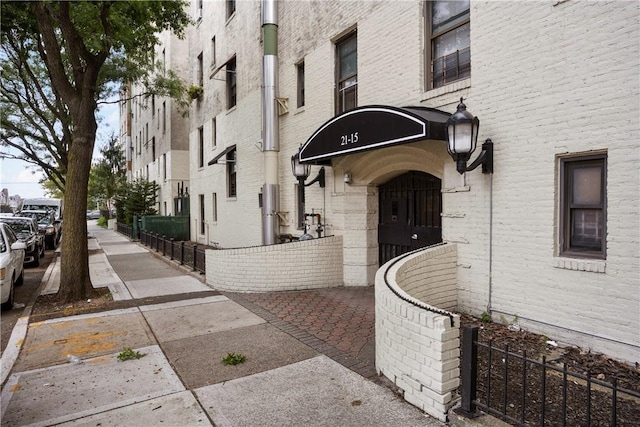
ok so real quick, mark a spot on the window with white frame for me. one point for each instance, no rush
(582, 206)
(214, 143)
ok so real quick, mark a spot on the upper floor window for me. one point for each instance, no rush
(199, 9)
(347, 74)
(213, 52)
(200, 71)
(583, 206)
(300, 72)
(231, 8)
(448, 35)
(231, 83)
(231, 173)
(200, 147)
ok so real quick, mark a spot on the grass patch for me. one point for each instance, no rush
(234, 359)
(128, 354)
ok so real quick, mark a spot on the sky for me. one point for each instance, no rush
(21, 179)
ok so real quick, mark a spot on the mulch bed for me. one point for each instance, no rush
(599, 367)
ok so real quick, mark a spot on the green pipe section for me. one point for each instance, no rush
(270, 39)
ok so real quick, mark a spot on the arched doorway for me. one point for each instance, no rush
(410, 207)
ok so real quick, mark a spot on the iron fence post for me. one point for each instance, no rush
(469, 371)
(194, 256)
(182, 252)
(171, 252)
(164, 244)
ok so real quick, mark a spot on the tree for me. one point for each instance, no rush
(136, 198)
(63, 55)
(107, 175)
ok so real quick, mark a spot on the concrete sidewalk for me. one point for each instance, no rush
(180, 380)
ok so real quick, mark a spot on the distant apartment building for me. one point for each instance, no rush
(154, 130)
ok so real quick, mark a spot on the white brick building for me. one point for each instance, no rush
(555, 86)
(154, 130)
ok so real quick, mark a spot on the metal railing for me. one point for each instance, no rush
(528, 392)
(186, 253)
(125, 229)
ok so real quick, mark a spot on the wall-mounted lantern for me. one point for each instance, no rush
(462, 138)
(302, 172)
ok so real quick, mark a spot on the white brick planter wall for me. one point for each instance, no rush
(417, 343)
(310, 264)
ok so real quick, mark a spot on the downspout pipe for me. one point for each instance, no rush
(270, 123)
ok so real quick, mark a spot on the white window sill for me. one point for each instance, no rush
(577, 264)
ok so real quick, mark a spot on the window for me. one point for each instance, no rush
(164, 117)
(300, 69)
(214, 207)
(213, 52)
(231, 83)
(202, 224)
(583, 206)
(164, 166)
(153, 105)
(213, 133)
(153, 148)
(347, 74)
(164, 62)
(200, 76)
(449, 43)
(199, 10)
(231, 8)
(200, 147)
(231, 173)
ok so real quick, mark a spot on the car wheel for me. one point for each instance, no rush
(36, 260)
(8, 305)
(20, 280)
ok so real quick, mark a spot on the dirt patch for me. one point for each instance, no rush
(50, 306)
(581, 405)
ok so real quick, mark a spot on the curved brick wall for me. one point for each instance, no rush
(309, 264)
(417, 349)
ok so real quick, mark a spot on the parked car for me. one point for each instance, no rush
(11, 265)
(27, 231)
(93, 214)
(46, 222)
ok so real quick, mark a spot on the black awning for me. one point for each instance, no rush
(219, 156)
(371, 127)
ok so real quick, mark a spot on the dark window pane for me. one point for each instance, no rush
(586, 229)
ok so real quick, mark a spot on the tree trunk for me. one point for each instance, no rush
(75, 282)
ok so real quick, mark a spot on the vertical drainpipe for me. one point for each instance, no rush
(270, 126)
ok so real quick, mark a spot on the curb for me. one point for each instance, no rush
(19, 333)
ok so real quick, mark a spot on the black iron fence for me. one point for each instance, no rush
(125, 229)
(186, 253)
(529, 392)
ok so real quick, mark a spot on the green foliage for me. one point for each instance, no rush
(107, 175)
(129, 354)
(102, 222)
(195, 92)
(234, 359)
(485, 317)
(136, 198)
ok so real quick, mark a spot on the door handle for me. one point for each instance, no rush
(414, 236)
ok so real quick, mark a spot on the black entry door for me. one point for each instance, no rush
(410, 207)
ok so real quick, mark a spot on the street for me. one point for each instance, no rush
(23, 295)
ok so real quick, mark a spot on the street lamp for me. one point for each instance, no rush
(302, 172)
(462, 138)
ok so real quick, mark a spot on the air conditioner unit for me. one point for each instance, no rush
(198, 14)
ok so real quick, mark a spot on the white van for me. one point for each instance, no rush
(45, 204)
